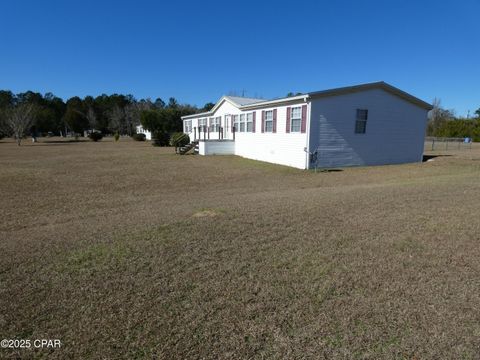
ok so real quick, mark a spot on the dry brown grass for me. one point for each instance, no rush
(123, 250)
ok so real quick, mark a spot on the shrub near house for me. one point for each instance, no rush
(139, 137)
(179, 139)
(95, 136)
(160, 138)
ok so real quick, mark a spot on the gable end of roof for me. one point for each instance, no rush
(375, 85)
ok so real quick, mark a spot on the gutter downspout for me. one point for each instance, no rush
(307, 153)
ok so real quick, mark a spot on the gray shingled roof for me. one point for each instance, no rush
(252, 103)
(244, 100)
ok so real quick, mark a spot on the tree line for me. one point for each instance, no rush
(31, 113)
(36, 114)
(444, 123)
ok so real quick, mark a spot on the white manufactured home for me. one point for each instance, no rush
(369, 124)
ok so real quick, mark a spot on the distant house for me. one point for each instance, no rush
(86, 133)
(368, 124)
(141, 130)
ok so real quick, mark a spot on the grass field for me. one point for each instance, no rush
(123, 250)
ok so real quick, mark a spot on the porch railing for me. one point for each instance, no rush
(204, 133)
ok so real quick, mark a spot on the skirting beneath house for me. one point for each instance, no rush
(216, 147)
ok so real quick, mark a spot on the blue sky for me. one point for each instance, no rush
(198, 51)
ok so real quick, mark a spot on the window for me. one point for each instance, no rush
(269, 121)
(235, 122)
(215, 124)
(188, 126)
(295, 119)
(249, 122)
(242, 123)
(202, 125)
(361, 122)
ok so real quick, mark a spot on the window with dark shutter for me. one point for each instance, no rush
(361, 121)
(295, 119)
(268, 122)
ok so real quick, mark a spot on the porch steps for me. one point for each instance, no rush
(188, 148)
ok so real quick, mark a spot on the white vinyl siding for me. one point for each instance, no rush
(281, 148)
(394, 133)
(296, 119)
(269, 121)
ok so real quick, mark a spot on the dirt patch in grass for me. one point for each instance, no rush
(124, 250)
(207, 213)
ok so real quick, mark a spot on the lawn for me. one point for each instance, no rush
(124, 250)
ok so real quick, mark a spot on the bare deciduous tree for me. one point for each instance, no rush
(18, 119)
(132, 114)
(438, 117)
(132, 117)
(117, 119)
(91, 118)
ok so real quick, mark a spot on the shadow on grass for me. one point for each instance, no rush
(324, 170)
(61, 142)
(429, 157)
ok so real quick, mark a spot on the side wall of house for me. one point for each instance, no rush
(280, 147)
(395, 130)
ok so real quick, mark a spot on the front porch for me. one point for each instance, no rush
(206, 133)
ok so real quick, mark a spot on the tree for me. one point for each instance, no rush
(74, 117)
(144, 104)
(91, 118)
(159, 103)
(116, 118)
(477, 112)
(152, 120)
(6, 99)
(132, 117)
(207, 107)
(50, 118)
(290, 94)
(19, 118)
(437, 118)
(172, 103)
(46, 119)
(107, 113)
